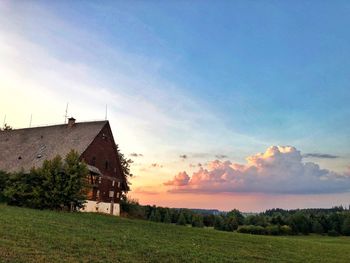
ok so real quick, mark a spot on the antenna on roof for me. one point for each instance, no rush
(30, 122)
(4, 121)
(106, 113)
(65, 115)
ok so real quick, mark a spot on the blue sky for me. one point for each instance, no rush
(184, 77)
(273, 70)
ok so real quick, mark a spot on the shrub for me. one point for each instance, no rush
(197, 220)
(56, 185)
(219, 223)
(3, 182)
(273, 230)
(230, 224)
(250, 229)
(286, 230)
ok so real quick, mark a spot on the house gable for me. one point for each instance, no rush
(102, 153)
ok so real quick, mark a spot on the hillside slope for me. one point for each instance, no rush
(44, 236)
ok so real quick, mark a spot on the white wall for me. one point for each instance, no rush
(101, 207)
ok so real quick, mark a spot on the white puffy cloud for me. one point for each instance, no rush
(279, 169)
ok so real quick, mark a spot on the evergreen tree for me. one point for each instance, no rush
(317, 227)
(346, 226)
(157, 216)
(181, 220)
(167, 218)
(152, 216)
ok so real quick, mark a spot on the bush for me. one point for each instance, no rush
(251, 229)
(56, 185)
(230, 224)
(3, 181)
(219, 223)
(197, 220)
(286, 230)
(273, 230)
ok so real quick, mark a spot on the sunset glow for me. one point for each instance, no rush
(250, 112)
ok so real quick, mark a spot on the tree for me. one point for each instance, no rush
(24, 190)
(197, 220)
(158, 216)
(167, 218)
(56, 185)
(219, 223)
(236, 214)
(230, 223)
(181, 220)
(125, 165)
(346, 226)
(152, 216)
(208, 220)
(317, 227)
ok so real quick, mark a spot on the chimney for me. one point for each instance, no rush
(71, 122)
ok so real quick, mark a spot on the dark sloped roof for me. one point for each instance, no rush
(27, 148)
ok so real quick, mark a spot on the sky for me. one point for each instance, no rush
(228, 104)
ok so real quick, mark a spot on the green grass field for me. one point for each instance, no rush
(28, 235)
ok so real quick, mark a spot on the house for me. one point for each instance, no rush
(22, 149)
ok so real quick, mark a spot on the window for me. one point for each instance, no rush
(106, 165)
(93, 161)
(113, 183)
(118, 184)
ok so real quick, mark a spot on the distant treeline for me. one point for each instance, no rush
(333, 222)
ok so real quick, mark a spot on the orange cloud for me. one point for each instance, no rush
(279, 170)
(179, 180)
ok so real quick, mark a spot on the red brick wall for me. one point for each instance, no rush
(100, 151)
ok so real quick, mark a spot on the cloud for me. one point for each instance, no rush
(221, 156)
(279, 170)
(183, 156)
(320, 155)
(156, 165)
(193, 165)
(146, 191)
(136, 154)
(182, 179)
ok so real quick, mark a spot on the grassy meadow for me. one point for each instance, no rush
(28, 235)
